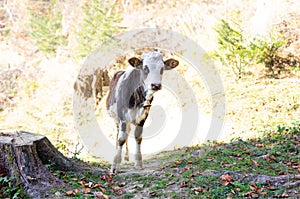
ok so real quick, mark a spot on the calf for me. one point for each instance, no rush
(130, 96)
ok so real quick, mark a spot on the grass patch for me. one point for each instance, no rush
(188, 174)
(9, 190)
(272, 154)
(275, 153)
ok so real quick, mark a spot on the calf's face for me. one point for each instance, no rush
(152, 67)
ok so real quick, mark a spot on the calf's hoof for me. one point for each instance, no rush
(113, 170)
(138, 161)
(139, 166)
(126, 158)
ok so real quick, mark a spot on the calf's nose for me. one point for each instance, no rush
(155, 86)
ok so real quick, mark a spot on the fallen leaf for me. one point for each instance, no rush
(117, 190)
(248, 194)
(122, 184)
(196, 192)
(183, 184)
(177, 162)
(256, 164)
(86, 190)
(260, 145)
(99, 194)
(62, 173)
(196, 189)
(72, 192)
(272, 157)
(254, 195)
(96, 185)
(211, 159)
(102, 189)
(69, 192)
(230, 195)
(226, 177)
(264, 193)
(82, 183)
(186, 168)
(153, 194)
(253, 187)
(225, 183)
(108, 179)
(272, 188)
(258, 190)
(228, 165)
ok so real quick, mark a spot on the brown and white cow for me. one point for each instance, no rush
(130, 96)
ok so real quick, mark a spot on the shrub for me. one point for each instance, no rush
(45, 26)
(269, 53)
(99, 25)
(234, 49)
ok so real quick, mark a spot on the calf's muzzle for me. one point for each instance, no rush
(155, 86)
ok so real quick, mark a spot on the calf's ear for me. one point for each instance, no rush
(170, 64)
(135, 62)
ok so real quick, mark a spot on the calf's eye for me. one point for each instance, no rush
(161, 71)
(146, 69)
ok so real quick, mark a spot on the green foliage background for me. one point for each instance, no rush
(45, 26)
(98, 24)
(240, 52)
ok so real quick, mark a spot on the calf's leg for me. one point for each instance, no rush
(138, 155)
(126, 158)
(122, 137)
(138, 135)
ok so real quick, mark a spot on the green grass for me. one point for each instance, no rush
(186, 175)
(9, 190)
(274, 153)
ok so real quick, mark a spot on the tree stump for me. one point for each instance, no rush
(24, 158)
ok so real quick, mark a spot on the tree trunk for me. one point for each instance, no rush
(25, 158)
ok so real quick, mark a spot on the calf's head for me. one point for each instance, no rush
(152, 67)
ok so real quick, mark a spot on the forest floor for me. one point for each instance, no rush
(265, 167)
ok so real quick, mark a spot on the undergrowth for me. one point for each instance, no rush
(241, 52)
(45, 26)
(8, 189)
(187, 174)
(99, 25)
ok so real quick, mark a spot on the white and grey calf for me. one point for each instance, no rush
(130, 96)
